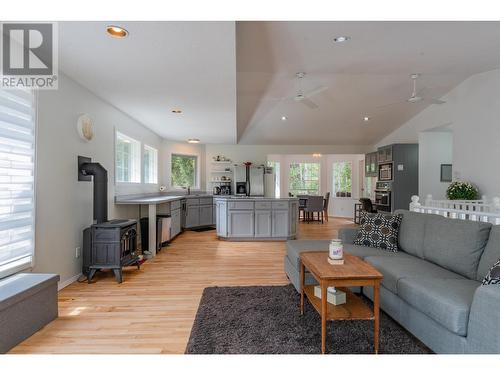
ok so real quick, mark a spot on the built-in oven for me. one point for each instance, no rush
(383, 196)
(385, 172)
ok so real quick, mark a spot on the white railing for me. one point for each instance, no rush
(485, 212)
(481, 205)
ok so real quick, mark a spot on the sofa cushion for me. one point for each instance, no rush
(379, 230)
(447, 301)
(396, 268)
(455, 244)
(412, 232)
(295, 247)
(491, 253)
(363, 251)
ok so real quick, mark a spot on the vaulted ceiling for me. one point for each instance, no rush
(235, 81)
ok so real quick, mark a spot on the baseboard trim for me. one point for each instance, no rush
(65, 283)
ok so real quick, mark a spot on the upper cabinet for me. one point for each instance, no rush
(371, 164)
(384, 154)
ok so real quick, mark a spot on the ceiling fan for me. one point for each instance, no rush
(416, 96)
(304, 97)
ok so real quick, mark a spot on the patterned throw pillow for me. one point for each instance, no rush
(493, 277)
(379, 230)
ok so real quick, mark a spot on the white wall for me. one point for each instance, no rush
(473, 111)
(64, 205)
(435, 148)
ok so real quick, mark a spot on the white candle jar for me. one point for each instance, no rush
(336, 249)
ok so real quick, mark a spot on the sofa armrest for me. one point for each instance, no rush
(348, 235)
(484, 321)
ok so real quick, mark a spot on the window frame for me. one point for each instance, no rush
(146, 148)
(318, 163)
(334, 190)
(197, 182)
(138, 161)
(6, 271)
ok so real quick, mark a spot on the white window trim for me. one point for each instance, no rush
(332, 164)
(155, 150)
(305, 160)
(198, 172)
(127, 183)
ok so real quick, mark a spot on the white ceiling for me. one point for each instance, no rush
(226, 79)
(370, 70)
(158, 67)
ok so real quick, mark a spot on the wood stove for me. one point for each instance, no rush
(110, 245)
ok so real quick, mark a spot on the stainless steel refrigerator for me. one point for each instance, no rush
(255, 183)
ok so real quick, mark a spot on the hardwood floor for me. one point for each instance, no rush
(153, 310)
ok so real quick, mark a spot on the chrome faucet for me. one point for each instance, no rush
(188, 188)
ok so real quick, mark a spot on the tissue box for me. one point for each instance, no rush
(333, 296)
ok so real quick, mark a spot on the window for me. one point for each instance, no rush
(184, 171)
(275, 165)
(17, 170)
(342, 179)
(128, 159)
(304, 179)
(150, 165)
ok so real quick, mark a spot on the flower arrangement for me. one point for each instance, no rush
(462, 190)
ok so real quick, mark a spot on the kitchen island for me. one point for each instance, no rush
(256, 218)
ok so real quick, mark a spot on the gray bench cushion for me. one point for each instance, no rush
(396, 268)
(23, 285)
(446, 301)
(412, 232)
(455, 244)
(490, 254)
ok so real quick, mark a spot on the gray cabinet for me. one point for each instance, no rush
(199, 212)
(384, 154)
(221, 218)
(175, 227)
(206, 215)
(192, 216)
(280, 223)
(240, 223)
(371, 164)
(263, 223)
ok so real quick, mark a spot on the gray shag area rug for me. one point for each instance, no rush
(266, 320)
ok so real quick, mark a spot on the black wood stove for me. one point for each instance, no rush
(106, 244)
(110, 245)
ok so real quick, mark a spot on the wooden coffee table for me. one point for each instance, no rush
(354, 272)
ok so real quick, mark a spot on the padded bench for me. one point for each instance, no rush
(28, 301)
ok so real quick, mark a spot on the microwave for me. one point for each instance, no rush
(385, 172)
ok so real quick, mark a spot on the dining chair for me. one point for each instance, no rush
(314, 204)
(326, 200)
(366, 205)
(302, 204)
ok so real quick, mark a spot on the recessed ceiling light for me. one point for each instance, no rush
(366, 119)
(116, 31)
(316, 155)
(177, 111)
(341, 39)
(193, 140)
(284, 118)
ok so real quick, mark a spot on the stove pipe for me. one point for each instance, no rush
(100, 190)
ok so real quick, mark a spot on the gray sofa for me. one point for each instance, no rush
(432, 285)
